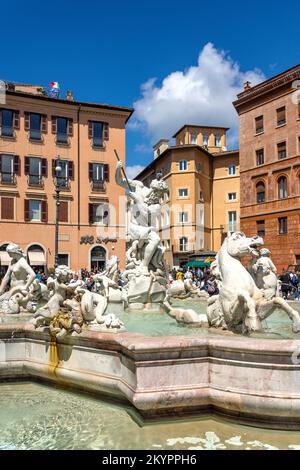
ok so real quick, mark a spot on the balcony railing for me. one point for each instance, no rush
(97, 143)
(8, 178)
(63, 183)
(35, 181)
(98, 186)
(62, 139)
(35, 135)
(7, 132)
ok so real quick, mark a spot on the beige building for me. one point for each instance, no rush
(203, 179)
(37, 132)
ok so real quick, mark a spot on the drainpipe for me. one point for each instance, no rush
(78, 168)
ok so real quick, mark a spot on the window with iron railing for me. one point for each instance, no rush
(9, 168)
(98, 175)
(98, 133)
(36, 170)
(65, 175)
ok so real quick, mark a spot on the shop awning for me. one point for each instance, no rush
(36, 258)
(197, 264)
(5, 259)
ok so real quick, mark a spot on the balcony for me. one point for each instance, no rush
(98, 144)
(98, 186)
(35, 181)
(7, 132)
(8, 178)
(35, 135)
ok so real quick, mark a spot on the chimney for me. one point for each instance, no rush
(247, 86)
(70, 95)
(160, 147)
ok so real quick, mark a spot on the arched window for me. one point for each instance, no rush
(98, 258)
(182, 165)
(260, 192)
(282, 187)
(183, 244)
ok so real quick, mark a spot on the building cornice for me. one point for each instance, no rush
(268, 86)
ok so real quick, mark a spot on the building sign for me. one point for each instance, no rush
(90, 240)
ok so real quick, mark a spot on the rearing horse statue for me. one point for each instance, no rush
(240, 302)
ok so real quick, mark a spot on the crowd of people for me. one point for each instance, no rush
(201, 278)
(290, 284)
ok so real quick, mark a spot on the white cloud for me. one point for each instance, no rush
(143, 148)
(202, 94)
(134, 170)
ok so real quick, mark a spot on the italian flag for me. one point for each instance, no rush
(54, 85)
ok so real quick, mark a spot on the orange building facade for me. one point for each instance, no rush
(203, 202)
(270, 164)
(40, 135)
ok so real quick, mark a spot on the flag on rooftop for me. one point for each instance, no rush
(54, 89)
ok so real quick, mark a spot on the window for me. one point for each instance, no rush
(183, 192)
(99, 214)
(281, 116)
(259, 124)
(167, 244)
(260, 228)
(7, 123)
(231, 170)
(193, 138)
(217, 140)
(66, 173)
(232, 221)
(282, 225)
(62, 130)
(182, 165)
(282, 187)
(35, 168)
(35, 210)
(183, 244)
(183, 217)
(98, 174)
(63, 259)
(35, 126)
(231, 196)
(281, 150)
(260, 192)
(7, 208)
(201, 197)
(7, 169)
(260, 158)
(205, 139)
(98, 132)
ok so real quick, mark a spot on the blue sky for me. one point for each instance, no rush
(198, 52)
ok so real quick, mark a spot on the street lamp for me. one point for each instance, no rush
(57, 172)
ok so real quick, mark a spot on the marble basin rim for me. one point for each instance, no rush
(249, 379)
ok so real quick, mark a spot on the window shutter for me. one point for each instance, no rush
(44, 124)
(91, 213)
(26, 166)
(70, 127)
(90, 129)
(53, 124)
(26, 210)
(26, 121)
(0, 117)
(106, 172)
(90, 171)
(44, 214)
(44, 167)
(53, 166)
(105, 131)
(63, 211)
(16, 122)
(0, 163)
(7, 208)
(17, 165)
(71, 170)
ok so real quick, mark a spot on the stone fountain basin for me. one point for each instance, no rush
(251, 378)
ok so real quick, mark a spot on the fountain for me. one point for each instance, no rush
(164, 356)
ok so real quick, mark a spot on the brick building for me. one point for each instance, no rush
(270, 164)
(39, 134)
